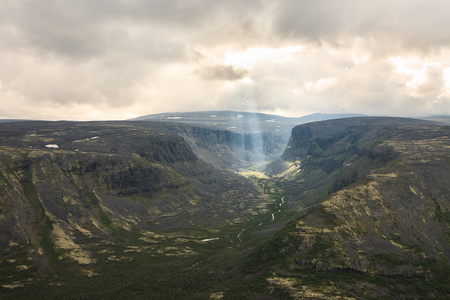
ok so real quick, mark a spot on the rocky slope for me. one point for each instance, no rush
(383, 206)
(229, 149)
(128, 210)
(232, 139)
(64, 183)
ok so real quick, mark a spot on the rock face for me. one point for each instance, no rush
(106, 180)
(214, 138)
(384, 200)
(232, 139)
(228, 149)
(360, 208)
(228, 139)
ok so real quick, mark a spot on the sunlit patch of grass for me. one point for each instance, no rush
(254, 174)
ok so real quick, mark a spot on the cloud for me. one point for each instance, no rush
(433, 82)
(412, 25)
(119, 59)
(222, 72)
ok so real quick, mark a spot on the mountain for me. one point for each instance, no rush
(354, 208)
(239, 121)
(71, 189)
(443, 119)
(12, 120)
(374, 200)
(233, 139)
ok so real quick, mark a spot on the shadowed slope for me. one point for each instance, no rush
(383, 204)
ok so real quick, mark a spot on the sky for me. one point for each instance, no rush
(119, 59)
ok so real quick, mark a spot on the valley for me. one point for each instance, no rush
(354, 208)
(234, 140)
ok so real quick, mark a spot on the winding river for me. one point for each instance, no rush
(239, 237)
(273, 219)
(279, 210)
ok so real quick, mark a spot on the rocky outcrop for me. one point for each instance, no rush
(105, 181)
(383, 202)
(229, 149)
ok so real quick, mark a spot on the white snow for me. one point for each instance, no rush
(86, 139)
(207, 240)
(54, 146)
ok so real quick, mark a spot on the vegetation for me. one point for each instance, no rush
(358, 208)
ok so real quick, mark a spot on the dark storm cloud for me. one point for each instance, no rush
(222, 72)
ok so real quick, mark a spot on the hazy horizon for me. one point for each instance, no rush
(191, 112)
(236, 111)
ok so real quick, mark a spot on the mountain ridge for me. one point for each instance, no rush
(106, 181)
(353, 208)
(243, 139)
(375, 204)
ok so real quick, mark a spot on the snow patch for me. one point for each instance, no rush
(86, 139)
(54, 146)
(208, 240)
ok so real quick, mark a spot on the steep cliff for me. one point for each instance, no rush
(64, 183)
(382, 206)
(232, 139)
(355, 208)
(229, 149)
